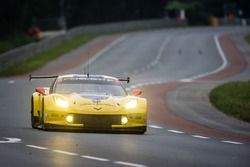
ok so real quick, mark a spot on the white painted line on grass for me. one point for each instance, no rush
(155, 126)
(95, 158)
(176, 131)
(128, 164)
(231, 142)
(200, 137)
(37, 147)
(65, 152)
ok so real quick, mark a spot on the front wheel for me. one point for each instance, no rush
(34, 119)
(141, 130)
(44, 126)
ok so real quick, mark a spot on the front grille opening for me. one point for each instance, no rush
(97, 121)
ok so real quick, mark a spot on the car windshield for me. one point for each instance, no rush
(89, 86)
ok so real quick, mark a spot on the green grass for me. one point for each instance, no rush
(233, 99)
(247, 38)
(14, 41)
(39, 60)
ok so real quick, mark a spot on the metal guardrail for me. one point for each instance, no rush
(21, 53)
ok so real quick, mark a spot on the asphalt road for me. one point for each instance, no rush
(148, 57)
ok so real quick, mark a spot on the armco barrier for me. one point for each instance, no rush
(21, 53)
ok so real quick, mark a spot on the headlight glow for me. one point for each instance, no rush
(62, 103)
(131, 104)
(124, 120)
(70, 118)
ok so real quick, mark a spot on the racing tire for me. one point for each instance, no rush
(44, 126)
(34, 119)
(142, 130)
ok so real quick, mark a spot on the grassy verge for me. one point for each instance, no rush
(247, 38)
(37, 61)
(14, 41)
(233, 99)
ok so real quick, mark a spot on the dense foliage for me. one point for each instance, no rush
(19, 15)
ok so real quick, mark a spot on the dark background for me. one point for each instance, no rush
(18, 15)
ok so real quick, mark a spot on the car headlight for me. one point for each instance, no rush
(70, 118)
(131, 104)
(62, 102)
(124, 120)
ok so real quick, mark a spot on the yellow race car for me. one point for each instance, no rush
(88, 102)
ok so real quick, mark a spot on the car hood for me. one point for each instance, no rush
(95, 102)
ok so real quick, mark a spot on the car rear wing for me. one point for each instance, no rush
(125, 80)
(55, 76)
(42, 77)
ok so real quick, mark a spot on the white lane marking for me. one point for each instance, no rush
(186, 80)
(128, 164)
(95, 158)
(139, 85)
(37, 147)
(128, 89)
(132, 87)
(159, 54)
(10, 140)
(223, 57)
(135, 71)
(223, 65)
(155, 126)
(200, 137)
(11, 81)
(101, 52)
(231, 142)
(157, 59)
(176, 131)
(65, 152)
(160, 51)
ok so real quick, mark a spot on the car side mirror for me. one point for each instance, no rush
(42, 90)
(136, 92)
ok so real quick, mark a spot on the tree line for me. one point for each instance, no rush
(19, 15)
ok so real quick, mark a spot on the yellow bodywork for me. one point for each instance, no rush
(53, 110)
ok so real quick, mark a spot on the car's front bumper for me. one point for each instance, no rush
(80, 128)
(97, 122)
